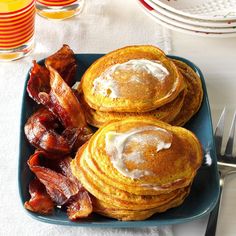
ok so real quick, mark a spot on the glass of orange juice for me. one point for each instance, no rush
(16, 28)
(59, 10)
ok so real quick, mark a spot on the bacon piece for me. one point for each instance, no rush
(40, 131)
(83, 137)
(39, 81)
(79, 205)
(62, 102)
(48, 88)
(40, 201)
(61, 185)
(64, 62)
(65, 169)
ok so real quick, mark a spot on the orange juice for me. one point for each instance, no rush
(7, 6)
(16, 28)
(59, 10)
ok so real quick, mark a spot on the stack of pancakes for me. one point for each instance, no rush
(139, 81)
(137, 164)
(137, 167)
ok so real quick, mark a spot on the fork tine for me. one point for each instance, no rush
(219, 132)
(226, 164)
(230, 142)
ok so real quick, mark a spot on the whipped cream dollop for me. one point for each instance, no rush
(107, 86)
(131, 146)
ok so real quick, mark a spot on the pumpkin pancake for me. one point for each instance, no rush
(165, 113)
(123, 214)
(194, 94)
(165, 168)
(131, 79)
(120, 198)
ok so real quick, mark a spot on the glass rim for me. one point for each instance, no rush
(14, 6)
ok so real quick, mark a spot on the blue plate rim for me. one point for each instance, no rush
(117, 224)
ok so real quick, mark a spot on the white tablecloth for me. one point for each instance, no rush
(105, 25)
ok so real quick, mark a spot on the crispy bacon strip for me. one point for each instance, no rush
(61, 185)
(80, 205)
(62, 102)
(40, 131)
(48, 88)
(39, 81)
(64, 62)
(84, 134)
(40, 201)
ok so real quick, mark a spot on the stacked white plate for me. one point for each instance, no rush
(211, 18)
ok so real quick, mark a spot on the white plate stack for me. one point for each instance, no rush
(210, 18)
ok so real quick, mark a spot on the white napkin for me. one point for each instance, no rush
(104, 25)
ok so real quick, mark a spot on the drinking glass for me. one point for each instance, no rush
(16, 28)
(59, 10)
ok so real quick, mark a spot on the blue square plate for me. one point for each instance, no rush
(204, 192)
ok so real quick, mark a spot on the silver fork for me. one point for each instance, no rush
(226, 165)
